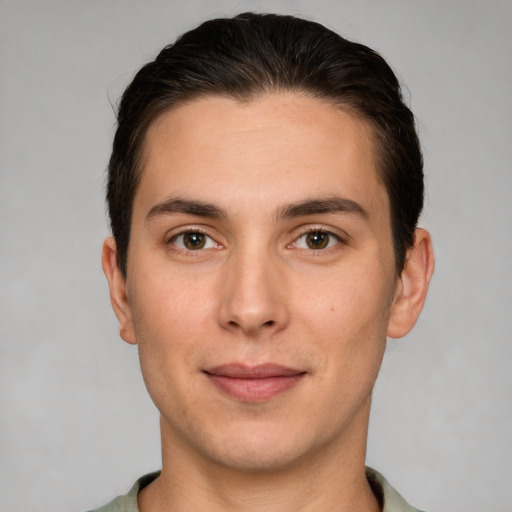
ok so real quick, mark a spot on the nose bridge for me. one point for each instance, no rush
(251, 300)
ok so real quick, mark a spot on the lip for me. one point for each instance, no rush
(254, 383)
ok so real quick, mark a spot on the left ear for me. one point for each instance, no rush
(118, 291)
(412, 286)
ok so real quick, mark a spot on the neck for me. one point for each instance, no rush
(330, 479)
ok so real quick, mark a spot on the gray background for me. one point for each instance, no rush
(76, 424)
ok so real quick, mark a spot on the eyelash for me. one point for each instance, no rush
(210, 243)
(193, 231)
(332, 239)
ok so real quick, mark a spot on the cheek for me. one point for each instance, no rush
(169, 339)
(168, 302)
(347, 319)
(346, 304)
(171, 316)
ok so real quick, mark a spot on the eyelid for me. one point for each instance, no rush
(304, 229)
(183, 230)
(173, 233)
(341, 236)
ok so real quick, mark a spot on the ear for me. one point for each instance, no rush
(412, 286)
(117, 286)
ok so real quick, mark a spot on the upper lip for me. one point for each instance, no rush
(262, 371)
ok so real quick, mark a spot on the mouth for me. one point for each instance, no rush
(254, 383)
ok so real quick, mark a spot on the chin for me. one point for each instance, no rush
(260, 449)
(258, 457)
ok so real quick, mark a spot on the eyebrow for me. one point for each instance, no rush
(187, 206)
(322, 206)
(301, 209)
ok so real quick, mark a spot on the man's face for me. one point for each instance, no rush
(260, 278)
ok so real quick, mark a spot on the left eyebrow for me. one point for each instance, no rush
(176, 205)
(320, 206)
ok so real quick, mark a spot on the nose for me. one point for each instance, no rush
(253, 299)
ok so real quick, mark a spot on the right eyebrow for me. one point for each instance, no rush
(186, 206)
(332, 204)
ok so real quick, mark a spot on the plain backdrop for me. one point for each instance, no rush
(77, 427)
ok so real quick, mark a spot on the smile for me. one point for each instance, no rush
(254, 384)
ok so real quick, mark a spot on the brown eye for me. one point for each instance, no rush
(194, 241)
(317, 240)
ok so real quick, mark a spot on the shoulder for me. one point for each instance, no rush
(128, 502)
(391, 499)
(118, 504)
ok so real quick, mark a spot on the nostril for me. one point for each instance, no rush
(247, 326)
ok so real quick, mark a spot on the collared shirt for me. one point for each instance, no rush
(391, 500)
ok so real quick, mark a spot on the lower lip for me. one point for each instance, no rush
(255, 389)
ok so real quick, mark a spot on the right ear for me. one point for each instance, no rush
(117, 287)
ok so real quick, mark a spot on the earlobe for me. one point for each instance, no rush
(117, 287)
(412, 287)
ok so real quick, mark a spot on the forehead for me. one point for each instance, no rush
(280, 146)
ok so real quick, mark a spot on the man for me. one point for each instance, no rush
(264, 189)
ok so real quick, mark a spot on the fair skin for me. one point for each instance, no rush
(261, 287)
